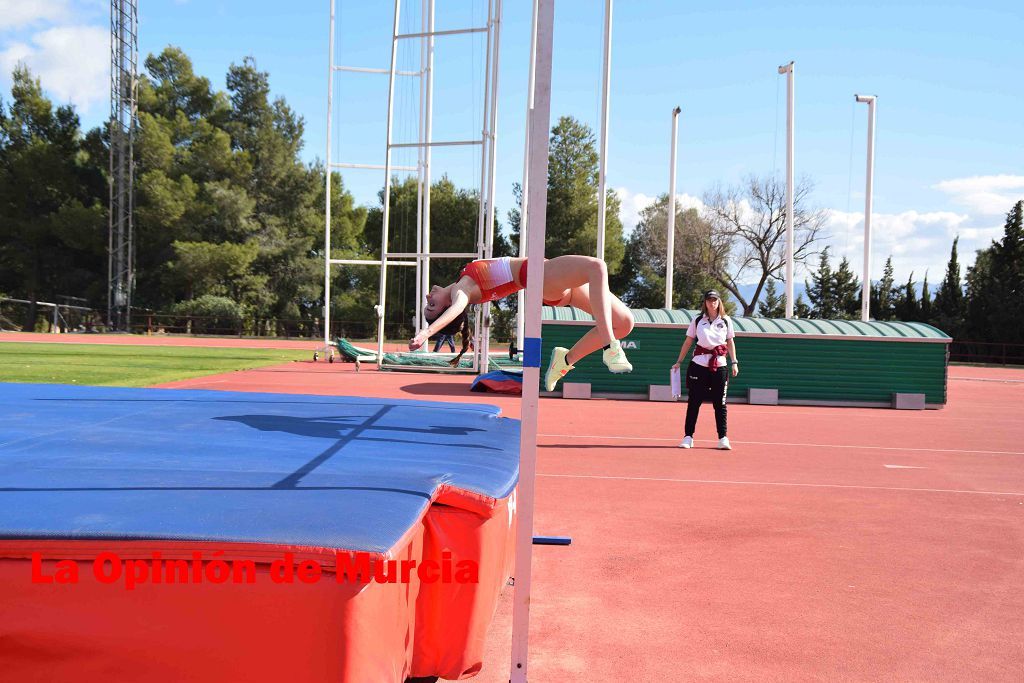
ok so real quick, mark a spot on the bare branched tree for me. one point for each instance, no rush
(747, 240)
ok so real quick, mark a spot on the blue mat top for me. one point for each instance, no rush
(169, 464)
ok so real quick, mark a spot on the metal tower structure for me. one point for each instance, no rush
(421, 258)
(124, 55)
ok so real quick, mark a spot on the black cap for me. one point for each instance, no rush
(711, 294)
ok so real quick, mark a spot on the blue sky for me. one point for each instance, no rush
(950, 120)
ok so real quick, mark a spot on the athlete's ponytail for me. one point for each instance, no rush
(459, 326)
(463, 328)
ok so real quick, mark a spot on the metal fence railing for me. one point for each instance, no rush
(287, 328)
(14, 316)
(991, 353)
(80, 319)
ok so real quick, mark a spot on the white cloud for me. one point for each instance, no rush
(18, 13)
(633, 203)
(917, 241)
(72, 62)
(990, 195)
(13, 54)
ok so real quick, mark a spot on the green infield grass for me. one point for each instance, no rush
(128, 366)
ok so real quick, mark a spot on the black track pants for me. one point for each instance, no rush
(704, 384)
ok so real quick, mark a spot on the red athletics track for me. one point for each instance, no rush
(830, 544)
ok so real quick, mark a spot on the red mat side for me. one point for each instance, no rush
(205, 632)
(90, 631)
(450, 639)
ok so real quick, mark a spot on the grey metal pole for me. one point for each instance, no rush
(601, 173)
(670, 246)
(485, 346)
(790, 70)
(327, 202)
(865, 305)
(428, 118)
(421, 285)
(525, 189)
(380, 308)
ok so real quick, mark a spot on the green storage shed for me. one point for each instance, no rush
(784, 361)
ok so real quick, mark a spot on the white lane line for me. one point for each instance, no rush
(989, 379)
(781, 443)
(781, 483)
(905, 467)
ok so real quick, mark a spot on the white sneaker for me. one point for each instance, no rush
(723, 444)
(557, 367)
(687, 442)
(615, 358)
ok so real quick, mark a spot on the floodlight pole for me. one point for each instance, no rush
(538, 123)
(865, 304)
(670, 246)
(790, 71)
(601, 174)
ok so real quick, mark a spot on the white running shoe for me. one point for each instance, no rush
(687, 442)
(557, 367)
(723, 444)
(615, 358)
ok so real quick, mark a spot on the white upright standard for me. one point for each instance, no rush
(790, 70)
(670, 229)
(538, 122)
(865, 305)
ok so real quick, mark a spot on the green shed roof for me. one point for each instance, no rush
(811, 327)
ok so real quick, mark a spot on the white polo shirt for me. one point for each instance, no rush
(709, 334)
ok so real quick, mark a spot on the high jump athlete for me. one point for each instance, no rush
(580, 281)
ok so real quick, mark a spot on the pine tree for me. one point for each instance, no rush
(774, 305)
(995, 285)
(909, 310)
(800, 308)
(1009, 266)
(820, 290)
(949, 300)
(926, 301)
(572, 208)
(53, 200)
(847, 291)
(983, 298)
(882, 298)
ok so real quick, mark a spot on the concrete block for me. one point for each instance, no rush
(659, 392)
(763, 397)
(576, 390)
(908, 401)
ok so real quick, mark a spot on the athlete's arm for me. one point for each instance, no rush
(460, 300)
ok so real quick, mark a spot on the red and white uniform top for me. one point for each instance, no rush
(712, 338)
